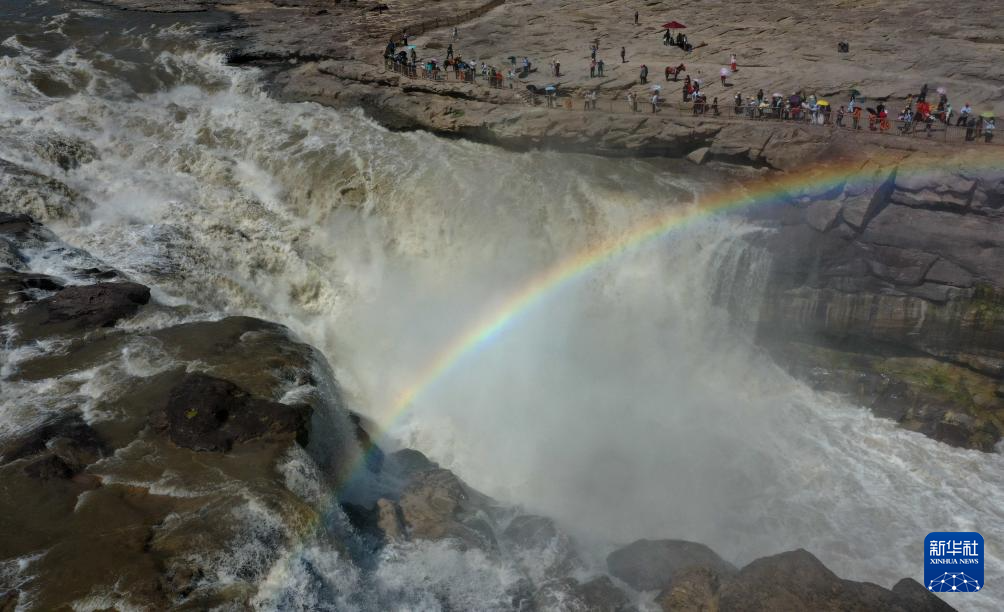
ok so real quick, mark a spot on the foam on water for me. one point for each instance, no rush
(626, 406)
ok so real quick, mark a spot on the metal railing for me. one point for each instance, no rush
(448, 74)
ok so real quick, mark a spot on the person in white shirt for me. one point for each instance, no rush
(964, 114)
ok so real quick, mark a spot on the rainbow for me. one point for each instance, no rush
(773, 189)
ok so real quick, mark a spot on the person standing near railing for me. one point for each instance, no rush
(856, 117)
(655, 102)
(964, 114)
(988, 129)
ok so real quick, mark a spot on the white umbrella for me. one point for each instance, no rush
(725, 72)
(941, 90)
(656, 87)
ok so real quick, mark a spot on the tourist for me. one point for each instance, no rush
(988, 129)
(455, 35)
(856, 117)
(883, 117)
(970, 127)
(449, 51)
(632, 102)
(636, 17)
(592, 52)
(592, 69)
(739, 102)
(623, 53)
(714, 107)
(643, 74)
(759, 97)
(907, 118)
(732, 63)
(840, 117)
(655, 102)
(724, 72)
(964, 114)
(557, 68)
(599, 67)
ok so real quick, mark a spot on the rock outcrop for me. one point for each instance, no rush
(888, 284)
(140, 459)
(649, 565)
(793, 580)
(211, 414)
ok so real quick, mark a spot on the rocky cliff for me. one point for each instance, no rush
(888, 284)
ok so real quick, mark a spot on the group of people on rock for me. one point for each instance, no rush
(402, 58)
(917, 112)
(680, 41)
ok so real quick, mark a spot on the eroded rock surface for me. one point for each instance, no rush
(889, 285)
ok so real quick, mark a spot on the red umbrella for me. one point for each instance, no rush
(673, 25)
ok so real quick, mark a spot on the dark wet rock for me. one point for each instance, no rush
(653, 564)
(50, 467)
(796, 580)
(540, 538)
(597, 595)
(917, 598)
(373, 455)
(601, 595)
(437, 505)
(15, 224)
(407, 462)
(82, 307)
(211, 414)
(692, 590)
(8, 600)
(68, 443)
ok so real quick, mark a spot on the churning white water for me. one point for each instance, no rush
(625, 404)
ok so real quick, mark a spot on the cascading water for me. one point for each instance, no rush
(623, 404)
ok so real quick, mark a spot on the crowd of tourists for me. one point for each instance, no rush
(403, 58)
(922, 112)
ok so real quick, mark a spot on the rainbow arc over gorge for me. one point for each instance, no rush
(817, 181)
